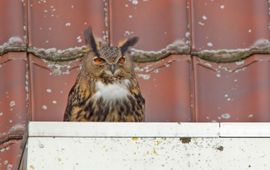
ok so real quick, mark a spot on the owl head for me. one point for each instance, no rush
(108, 62)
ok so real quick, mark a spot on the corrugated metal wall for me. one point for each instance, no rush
(186, 86)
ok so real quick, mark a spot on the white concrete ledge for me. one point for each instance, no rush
(244, 129)
(104, 129)
(137, 146)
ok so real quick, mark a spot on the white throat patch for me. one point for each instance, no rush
(114, 91)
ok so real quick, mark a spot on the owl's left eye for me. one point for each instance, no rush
(122, 60)
(98, 61)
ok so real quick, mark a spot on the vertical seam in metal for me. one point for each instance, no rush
(31, 96)
(30, 79)
(268, 4)
(27, 78)
(26, 13)
(107, 24)
(193, 69)
(110, 22)
(195, 98)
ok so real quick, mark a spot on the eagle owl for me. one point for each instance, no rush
(106, 88)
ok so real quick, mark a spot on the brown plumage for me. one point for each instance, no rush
(106, 88)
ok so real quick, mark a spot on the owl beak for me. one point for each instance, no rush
(112, 68)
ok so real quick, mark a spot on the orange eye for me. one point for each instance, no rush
(121, 60)
(98, 61)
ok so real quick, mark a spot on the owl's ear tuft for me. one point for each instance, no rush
(128, 43)
(90, 40)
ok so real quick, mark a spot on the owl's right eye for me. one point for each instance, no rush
(121, 60)
(98, 61)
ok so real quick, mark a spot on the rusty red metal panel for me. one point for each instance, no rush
(50, 85)
(236, 91)
(10, 156)
(61, 23)
(157, 23)
(233, 92)
(166, 87)
(13, 105)
(12, 20)
(226, 24)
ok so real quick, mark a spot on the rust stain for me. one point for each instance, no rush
(158, 142)
(135, 138)
(220, 148)
(32, 167)
(154, 152)
(185, 140)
